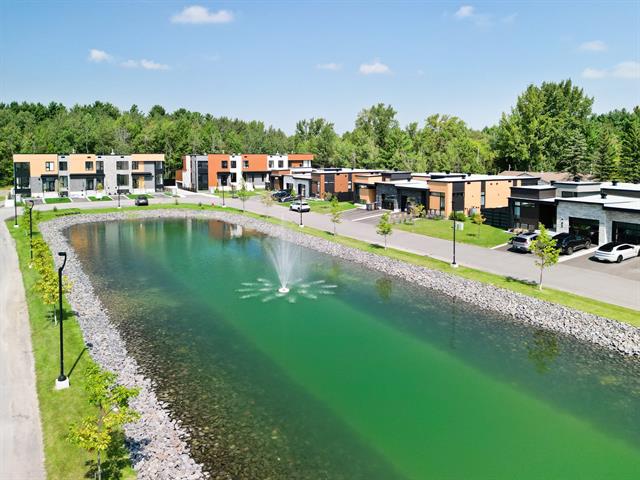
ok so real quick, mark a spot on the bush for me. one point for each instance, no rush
(457, 216)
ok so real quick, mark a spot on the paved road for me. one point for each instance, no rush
(21, 451)
(588, 282)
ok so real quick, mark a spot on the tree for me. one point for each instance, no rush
(267, 200)
(607, 156)
(336, 213)
(630, 157)
(478, 219)
(95, 432)
(574, 153)
(243, 194)
(544, 247)
(384, 228)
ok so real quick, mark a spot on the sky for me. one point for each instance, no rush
(287, 60)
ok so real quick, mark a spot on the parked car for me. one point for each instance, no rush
(142, 201)
(290, 198)
(300, 206)
(568, 243)
(280, 194)
(616, 252)
(523, 241)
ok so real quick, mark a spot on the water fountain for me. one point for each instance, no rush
(285, 258)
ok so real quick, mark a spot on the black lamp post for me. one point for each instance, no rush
(300, 208)
(454, 264)
(118, 189)
(31, 203)
(15, 199)
(223, 182)
(62, 380)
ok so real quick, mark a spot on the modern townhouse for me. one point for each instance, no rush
(603, 211)
(229, 171)
(81, 175)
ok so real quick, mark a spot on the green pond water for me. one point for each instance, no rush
(373, 379)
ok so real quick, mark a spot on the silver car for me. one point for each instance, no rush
(523, 241)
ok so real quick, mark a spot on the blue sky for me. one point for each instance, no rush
(287, 60)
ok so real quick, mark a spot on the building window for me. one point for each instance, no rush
(64, 182)
(122, 165)
(482, 199)
(122, 180)
(270, 163)
(88, 166)
(135, 165)
(48, 166)
(100, 166)
(224, 164)
(233, 178)
(246, 164)
(49, 185)
(280, 163)
(233, 164)
(62, 166)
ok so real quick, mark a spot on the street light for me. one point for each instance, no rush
(15, 199)
(62, 381)
(31, 204)
(300, 208)
(118, 190)
(454, 264)
(223, 178)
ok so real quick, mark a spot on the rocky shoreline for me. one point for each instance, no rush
(158, 444)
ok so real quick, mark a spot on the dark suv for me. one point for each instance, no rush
(570, 242)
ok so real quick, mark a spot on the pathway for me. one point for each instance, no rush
(21, 450)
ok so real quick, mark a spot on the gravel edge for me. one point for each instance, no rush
(158, 444)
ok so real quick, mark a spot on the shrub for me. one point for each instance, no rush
(457, 216)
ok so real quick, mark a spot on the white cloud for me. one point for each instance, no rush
(593, 73)
(465, 11)
(593, 46)
(151, 65)
(329, 66)
(99, 56)
(130, 64)
(625, 70)
(374, 68)
(198, 15)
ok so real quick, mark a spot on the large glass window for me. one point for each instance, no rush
(88, 166)
(122, 165)
(49, 185)
(122, 180)
(280, 163)
(135, 165)
(63, 166)
(246, 164)
(270, 163)
(233, 164)
(48, 166)
(64, 182)
(100, 166)
(224, 164)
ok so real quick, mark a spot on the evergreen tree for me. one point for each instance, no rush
(574, 153)
(630, 157)
(607, 156)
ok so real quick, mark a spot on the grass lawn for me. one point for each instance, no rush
(320, 206)
(1, 198)
(57, 200)
(481, 235)
(58, 409)
(104, 198)
(133, 196)
(571, 300)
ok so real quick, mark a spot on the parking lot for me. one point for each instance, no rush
(629, 269)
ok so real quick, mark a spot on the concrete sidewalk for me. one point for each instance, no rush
(21, 450)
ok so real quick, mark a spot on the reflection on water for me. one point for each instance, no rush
(372, 379)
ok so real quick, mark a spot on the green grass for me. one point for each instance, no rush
(58, 409)
(614, 312)
(481, 235)
(57, 200)
(1, 198)
(320, 206)
(104, 198)
(133, 196)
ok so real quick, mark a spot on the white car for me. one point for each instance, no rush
(616, 252)
(523, 241)
(300, 206)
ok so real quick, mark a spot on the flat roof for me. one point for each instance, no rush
(406, 184)
(596, 199)
(478, 178)
(632, 206)
(535, 187)
(630, 187)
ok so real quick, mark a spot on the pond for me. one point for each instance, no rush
(351, 375)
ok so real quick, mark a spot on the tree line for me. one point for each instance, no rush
(551, 127)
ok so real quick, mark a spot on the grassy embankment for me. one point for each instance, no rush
(58, 409)
(577, 302)
(481, 235)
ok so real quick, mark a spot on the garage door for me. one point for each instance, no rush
(585, 226)
(626, 232)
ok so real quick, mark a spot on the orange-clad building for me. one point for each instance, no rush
(215, 170)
